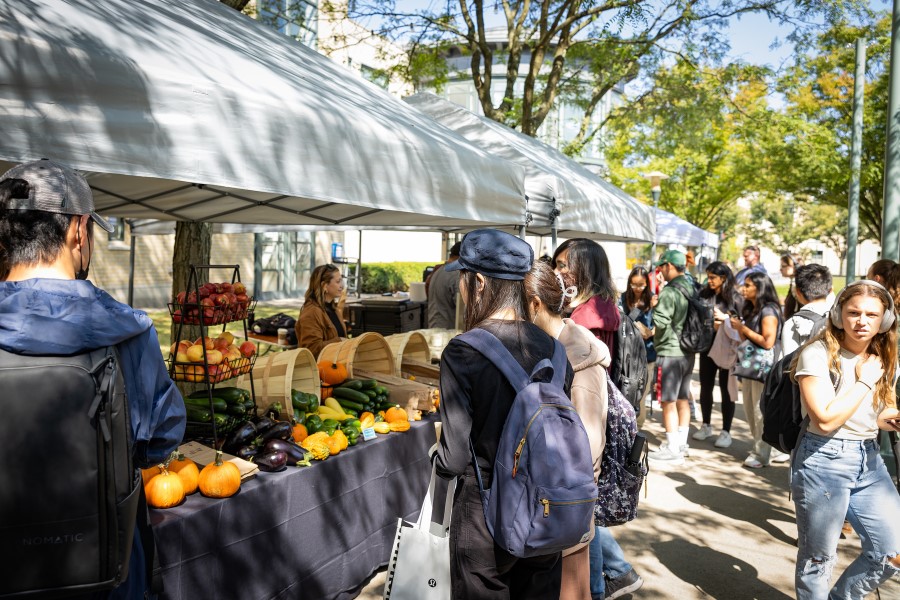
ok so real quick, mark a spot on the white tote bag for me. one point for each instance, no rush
(723, 351)
(419, 567)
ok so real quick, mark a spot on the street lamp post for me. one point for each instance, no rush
(655, 178)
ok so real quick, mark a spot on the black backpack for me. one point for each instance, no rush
(628, 370)
(698, 330)
(71, 493)
(780, 400)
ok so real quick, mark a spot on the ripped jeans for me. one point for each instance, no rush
(831, 479)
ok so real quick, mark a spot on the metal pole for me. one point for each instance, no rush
(655, 192)
(856, 159)
(890, 215)
(131, 267)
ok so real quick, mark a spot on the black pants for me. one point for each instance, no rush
(708, 370)
(479, 569)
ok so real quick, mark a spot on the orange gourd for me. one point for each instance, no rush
(366, 420)
(399, 425)
(332, 373)
(219, 479)
(149, 473)
(341, 437)
(298, 432)
(395, 413)
(187, 470)
(334, 445)
(164, 490)
(326, 391)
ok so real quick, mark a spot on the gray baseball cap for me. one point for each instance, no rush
(54, 188)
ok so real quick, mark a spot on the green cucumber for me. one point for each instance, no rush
(218, 404)
(351, 384)
(370, 393)
(345, 404)
(237, 410)
(349, 394)
(382, 391)
(369, 384)
(231, 395)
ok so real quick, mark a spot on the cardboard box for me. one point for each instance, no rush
(408, 394)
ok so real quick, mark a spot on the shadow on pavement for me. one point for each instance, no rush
(713, 573)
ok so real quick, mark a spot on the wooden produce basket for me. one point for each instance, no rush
(438, 339)
(368, 352)
(410, 395)
(276, 374)
(409, 346)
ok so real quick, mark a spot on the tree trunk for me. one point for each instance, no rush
(193, 244)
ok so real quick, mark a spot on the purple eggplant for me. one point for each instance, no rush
(270, 460)
(281, 430)
(263, 424)
(247, 452)
(295, 454)
(242, 436)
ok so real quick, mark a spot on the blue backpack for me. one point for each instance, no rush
(543, 491)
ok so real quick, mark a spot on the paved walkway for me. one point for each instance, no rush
(711, 528)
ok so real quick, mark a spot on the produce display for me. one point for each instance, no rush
(167, 484)
(219, 479)
(230, 407)
(212, 304)
(223, 358)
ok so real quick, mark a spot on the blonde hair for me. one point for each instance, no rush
(883, 345)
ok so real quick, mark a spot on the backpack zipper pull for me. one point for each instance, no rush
(546, 504)
(516, 457)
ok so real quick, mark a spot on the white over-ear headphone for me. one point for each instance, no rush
(887, 321)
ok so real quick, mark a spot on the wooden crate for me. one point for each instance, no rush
(276, 374)
(369, 352)
(423, 372)
(410, 395)
(411, 345)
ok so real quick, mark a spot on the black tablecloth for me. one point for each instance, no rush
(316, 532)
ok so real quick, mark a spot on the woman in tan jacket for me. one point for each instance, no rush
(321, 319)
(548, 297)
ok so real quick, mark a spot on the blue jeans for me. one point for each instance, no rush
(831, 479)
(606, 557)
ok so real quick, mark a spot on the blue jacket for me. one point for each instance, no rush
(51, 316)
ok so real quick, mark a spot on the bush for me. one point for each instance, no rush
(378, 278)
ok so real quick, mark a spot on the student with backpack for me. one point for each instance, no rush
(50, 314)
(549, 293)
(476, 404)
(811, 289)
(846, 381)
(720, 292)
(760, 322)
(638, 302)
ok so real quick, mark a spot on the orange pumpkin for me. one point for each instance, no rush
(150, 473)
(334, 445)
(395, 413)
(366, 420)
(164, 490)
(326, 391)
(332, 373)
(298, 432)
(219, 479)
(187, 470)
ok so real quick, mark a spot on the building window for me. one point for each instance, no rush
(377, 76)
(295, 18)
(118, 232)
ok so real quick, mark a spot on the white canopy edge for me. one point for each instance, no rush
(188, 110)
(671, 229)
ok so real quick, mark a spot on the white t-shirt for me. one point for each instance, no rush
(862, 425)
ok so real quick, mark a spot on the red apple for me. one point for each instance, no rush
(248, 349)
(239, 288)
(226, 287)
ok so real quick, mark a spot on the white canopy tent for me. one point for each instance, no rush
(188, 110)
(587, 205)
(675, 230)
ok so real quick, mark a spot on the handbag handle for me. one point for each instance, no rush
(424, 521)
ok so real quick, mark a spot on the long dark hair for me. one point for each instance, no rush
(632, 300)
(321, 276)
(496, 295)
(765, 294)
(590, 268)
(727, 293)
(889, 273)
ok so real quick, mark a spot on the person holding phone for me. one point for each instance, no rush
(726, 302)
(637, 302)
(846, 377)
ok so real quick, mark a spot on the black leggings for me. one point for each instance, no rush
(708, 370)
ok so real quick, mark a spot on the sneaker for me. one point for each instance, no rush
(665, 456)
(623, 584)
(752, 462)
(779, 457)
(724, 440)
(704, 432)
(685, 450)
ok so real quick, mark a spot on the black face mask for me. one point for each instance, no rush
(82, 272)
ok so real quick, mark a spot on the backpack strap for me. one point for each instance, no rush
(493, 349)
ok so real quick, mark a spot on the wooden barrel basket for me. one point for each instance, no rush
(406, 347)
(368, 352)
(275, 375)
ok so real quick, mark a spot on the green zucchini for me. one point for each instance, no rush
(218, 404)
(370, 393)
(237, 410)
(222, 421)
(350, 394)
(231, 395)
(197, 414)
(351, 384)
(382, 391)
(369, 384)
(345, 404)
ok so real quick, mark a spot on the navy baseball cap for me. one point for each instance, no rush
(494, 253)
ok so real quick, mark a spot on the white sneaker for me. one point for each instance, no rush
(753, 462)
(703, 433)
(665, 456)
(724, 440)
(779, 457)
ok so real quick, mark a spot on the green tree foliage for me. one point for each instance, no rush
(784, 224)
(523, 54)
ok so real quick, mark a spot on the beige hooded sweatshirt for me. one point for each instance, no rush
(589, 358)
